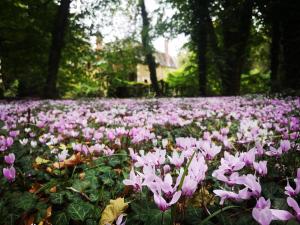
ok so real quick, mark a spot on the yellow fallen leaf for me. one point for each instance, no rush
(113, 211)
(40, 160)
(62, 147)
(202, 198)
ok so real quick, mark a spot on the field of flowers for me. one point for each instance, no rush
(226, 160)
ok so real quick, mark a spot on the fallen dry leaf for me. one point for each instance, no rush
(49, 169)
(49, 212)
(72, 161)
(53, 189)
(82, 175)
(35, 187)
(40, 160)
(29, 220)
(118, 171)
(113, 211)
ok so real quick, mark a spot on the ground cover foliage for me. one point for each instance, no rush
(226, 160)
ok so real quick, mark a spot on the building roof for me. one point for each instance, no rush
(164, 60)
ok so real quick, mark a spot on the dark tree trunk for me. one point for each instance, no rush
(218, 57)
(291, 43)
(275, 51)
(146, 41)
(61, 21)
(236, 25)
(2, 87)
(200, 19)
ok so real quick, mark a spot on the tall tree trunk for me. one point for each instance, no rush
(200, 19)
(58, 33)
(236, 25)
(275, 51)
(290, 42)
(218, 57)
(148, 49)
(2, 87)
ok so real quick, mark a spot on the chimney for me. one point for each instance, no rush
(167, 55)
(99, 41)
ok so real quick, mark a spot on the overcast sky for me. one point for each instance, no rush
(121, 26)
(174, 44)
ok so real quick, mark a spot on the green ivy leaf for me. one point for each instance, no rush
(270, 189)
(104, 169)
(107, 181)
(57, 198)
(41, 211)
(79, 210)
(60, 219)
(113, 162)
(81, 185)
(26, 201)
(11, 219)
(217, 213)
(91, 222)
(292, 222)
(245, 219)
(280, 203)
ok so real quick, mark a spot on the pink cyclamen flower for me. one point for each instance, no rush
(231, 163)
(285, 145)
(176, 159)
(261, 167)
(133, 155)
(166, 185)
(189, 186)
(9, 141)
(120, 221)
(63, 155)
(10, 158)
(14, 133)
(291, 191)
(224, 195)
(9, 173)
(264, 215)
(134, 180)
(166, 169)
(110, 135)
(259, 149)
(274, 152)
(209, 150)
(162, 204)
(293, 204)
(251, 182)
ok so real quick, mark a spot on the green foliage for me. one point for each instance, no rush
(148, 214)
(185, 81)
(60, 219)
(118, 65)
(24, 39)
(57, 198)
(79, 210)
(26, 202)
(123, 89)
(255, 82)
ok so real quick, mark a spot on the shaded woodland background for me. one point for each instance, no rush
(235, 47)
